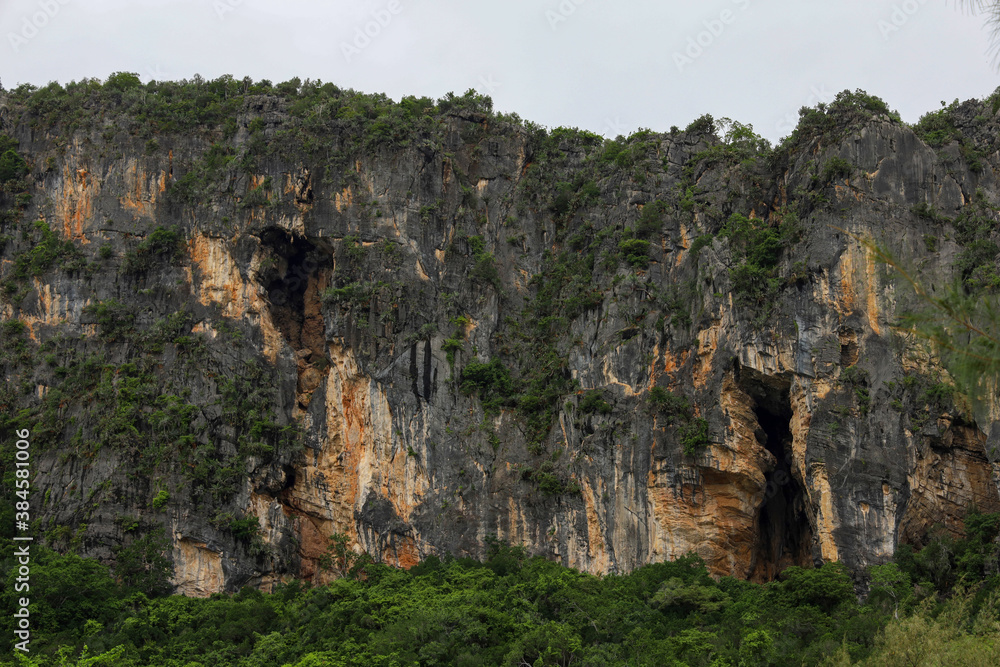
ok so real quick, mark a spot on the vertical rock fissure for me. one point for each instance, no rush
(784, 533)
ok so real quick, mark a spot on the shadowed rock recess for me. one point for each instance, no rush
(239, 318)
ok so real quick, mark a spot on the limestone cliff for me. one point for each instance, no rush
(429, 325)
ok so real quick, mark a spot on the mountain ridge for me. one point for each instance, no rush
(240, 318)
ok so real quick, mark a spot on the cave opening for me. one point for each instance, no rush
(294, 277)
(784, 532)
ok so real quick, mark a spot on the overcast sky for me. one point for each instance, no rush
(610, 67)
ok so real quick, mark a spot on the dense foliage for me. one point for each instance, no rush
(513, 610)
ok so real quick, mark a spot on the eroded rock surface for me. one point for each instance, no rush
(294, 356)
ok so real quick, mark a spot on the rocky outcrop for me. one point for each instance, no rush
(253, 338)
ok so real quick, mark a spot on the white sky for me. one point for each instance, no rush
(609, 67)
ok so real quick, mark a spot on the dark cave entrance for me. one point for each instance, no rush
(294, 276)
(784, 533)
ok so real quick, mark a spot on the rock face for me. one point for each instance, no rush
(243, 338)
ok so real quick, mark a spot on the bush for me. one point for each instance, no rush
(694, 436)
(471, 101)
(491, 381)
(45, 254)
(636, 252)
(836, 168)
(141, 565)
(704, 124)
(926, 211)
(650, 220)
(485, 268)
(161, 499)
(352, 293)
(593, 401)
(937, 128)
(976, 266)
(12, 166)
(666, 403)
(161, 244)
(245, 529)
(115, 320)
(758, 246)
(826, 587)
(702, 241)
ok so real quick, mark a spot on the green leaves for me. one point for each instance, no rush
(161, 244)
(12, 166)
(694, 436)
(671, 405)
(635, 252)
(492, 382)
(507, 610)
(677, 596)
(826, 587)
(757, 245)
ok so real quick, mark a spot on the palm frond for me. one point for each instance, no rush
(990, 9)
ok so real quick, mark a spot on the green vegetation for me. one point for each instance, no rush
(146, 416)
(161, 499)
(353, 293)
(160, 244)
(740, 145)
(704, 124)
(485, 267)
(694, 436)
(510, 609)
(836, 168)
(12, 166)
(430, 211)
(757, 245)
(975, 230)
(195, 185)
(650, 220)
(358, 293)
(548, 480)
(961, 329)
(847, 113)
(492, 382)
(939, 128)
(927, 212)
(343, 561)
(593, 401)
(248, 407)
(692, 431)
(669, 405)
(702, 241)
(48, 252)
(635, 252)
